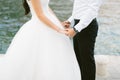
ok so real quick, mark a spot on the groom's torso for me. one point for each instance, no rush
(81, 7)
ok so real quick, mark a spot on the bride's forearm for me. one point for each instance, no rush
(39, 12)
(54, 14)
(51, 11)
(44, 19)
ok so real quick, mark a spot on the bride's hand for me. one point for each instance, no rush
(63, 31)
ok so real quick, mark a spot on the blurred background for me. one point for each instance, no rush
(108, 41)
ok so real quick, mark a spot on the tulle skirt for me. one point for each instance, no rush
(37, 52)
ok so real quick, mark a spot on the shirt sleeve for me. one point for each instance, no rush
(89, 15)
(70, 19)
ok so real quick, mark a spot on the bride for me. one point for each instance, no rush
(40, 50)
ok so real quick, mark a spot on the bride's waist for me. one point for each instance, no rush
(50, 16)
(36, 19)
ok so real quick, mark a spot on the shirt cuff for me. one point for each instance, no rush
(79, 27)
(70, 19)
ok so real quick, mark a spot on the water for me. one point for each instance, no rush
(108, 41)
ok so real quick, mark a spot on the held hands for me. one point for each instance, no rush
(66, 24)
(68, 31)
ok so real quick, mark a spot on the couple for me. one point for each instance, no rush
(41, 50)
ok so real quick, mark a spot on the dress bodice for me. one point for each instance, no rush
(44, 5)
(45, 8)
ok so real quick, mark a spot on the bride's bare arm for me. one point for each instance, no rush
(54, 14)
(51, 11)
(39, 12)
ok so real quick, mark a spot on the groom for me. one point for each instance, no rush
(84, 34)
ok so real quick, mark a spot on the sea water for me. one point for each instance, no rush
(108, 40)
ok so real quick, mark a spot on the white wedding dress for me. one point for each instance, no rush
(37, 52)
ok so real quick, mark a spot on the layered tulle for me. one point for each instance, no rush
(37, 52)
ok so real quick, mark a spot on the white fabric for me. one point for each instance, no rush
(37, 52)
(85, 11)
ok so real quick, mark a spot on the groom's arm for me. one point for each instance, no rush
(89, 15)
(70, 19)
(67, 23)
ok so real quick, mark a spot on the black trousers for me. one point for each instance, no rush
(84, 43)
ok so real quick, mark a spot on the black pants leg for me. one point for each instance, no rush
(84, 43)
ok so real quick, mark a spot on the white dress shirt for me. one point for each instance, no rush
(85, 11)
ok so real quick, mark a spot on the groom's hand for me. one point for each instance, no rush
(66, 24)
(70, 32)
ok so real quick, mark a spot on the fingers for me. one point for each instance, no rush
(67, 32)
(66, 24)
(63, 32)
(70, 32)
